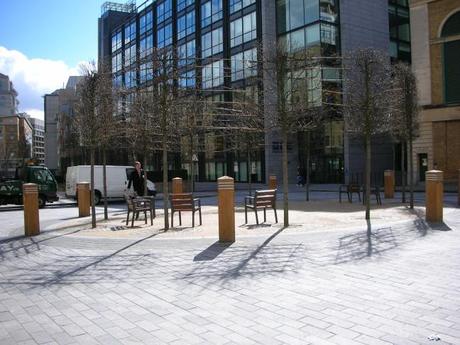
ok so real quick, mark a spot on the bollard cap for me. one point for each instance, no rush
(177, 178)
(225, 182)
(83, 185)
(434, 175)
(272, 177)
(30, 188)
(388, 172)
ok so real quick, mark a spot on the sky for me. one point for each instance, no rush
(42, 43)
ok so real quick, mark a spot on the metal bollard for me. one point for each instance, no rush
(84, 199)
(226, 191)
(177, 185)
(272, 182)
(31, 215)
(389, 184)
(434, 195)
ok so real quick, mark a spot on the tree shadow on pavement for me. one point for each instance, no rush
(361, 245)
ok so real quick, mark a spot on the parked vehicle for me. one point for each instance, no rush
(11, 189)
(117, 181)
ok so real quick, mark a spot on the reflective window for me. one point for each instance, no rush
(116, 62)
(145, 22)
(181, 4)
(146, 72)
(164, 36)
(451, 58)
(130, 78)
(146, 46)
(130, 32)
(329, 34)
(116, 41)
(292, 14)
(164, 11)
(328, 10)
(236, 5)
(211, 11)
(212, 43)
(244, 64)
(186, 53)
(243, 29)
(187, 79)
(302, 38)
(399, 30)
(186, 25)
(130, 55)
(213, 74)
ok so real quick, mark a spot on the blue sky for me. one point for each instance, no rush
(43, 41)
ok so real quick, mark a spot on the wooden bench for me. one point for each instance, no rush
(262, 199)
(350, 189)
(184, 202)
(140, 204)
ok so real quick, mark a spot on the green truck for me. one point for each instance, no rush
(11, 189)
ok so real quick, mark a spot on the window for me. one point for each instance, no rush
(244, 64)
(292, 14)
(328, 10)
(186, 25)
(303, 38)
(236, 5)
(187, 79)
(186, 53)
(243, 29)
(211, 12)
(130, 32)
(164, 36)
(146, 46)
(130, 78)
(213, 74)
(181, 4)
(328, 34)
(146, 72)
(116, 41)
(130, 55)
(116, 62)
(212, 43)
(164, 11)
(145, 22)
(451, 57)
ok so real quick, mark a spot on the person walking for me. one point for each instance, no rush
(137, 179)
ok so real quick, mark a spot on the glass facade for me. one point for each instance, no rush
(398, 11)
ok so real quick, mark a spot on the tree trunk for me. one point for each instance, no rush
(249, 172)
(104, 181)
(93, 206)
(192, 178)
(367, 194)
(144, 166)
(165, 184)
(411, 172)
(403, 172)
(307, 177)
(285, 180)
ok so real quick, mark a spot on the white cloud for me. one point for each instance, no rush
(38, 113)
(32, 78)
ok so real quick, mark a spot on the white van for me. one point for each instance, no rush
(117, 180)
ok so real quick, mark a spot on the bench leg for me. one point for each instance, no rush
(199, 211)
(151, 216)
(193, 219)
(180, 218)
(245, 215)
(265, 215)
(132, 220)
(276, 216)
(172, 219)
(145, 216)
(127, 218)
(257, 217)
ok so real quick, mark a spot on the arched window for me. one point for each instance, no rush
(451, 54)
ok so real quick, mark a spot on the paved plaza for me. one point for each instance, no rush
(393, 281)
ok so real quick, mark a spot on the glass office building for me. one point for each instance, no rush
(222, 35)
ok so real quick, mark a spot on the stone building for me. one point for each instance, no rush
(435, 37)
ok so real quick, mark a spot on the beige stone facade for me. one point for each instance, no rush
(439, 142)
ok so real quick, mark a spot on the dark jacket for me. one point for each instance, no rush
(137, 181)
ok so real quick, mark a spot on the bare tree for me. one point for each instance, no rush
(292, 72)
(405, 120)
(367, 102)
